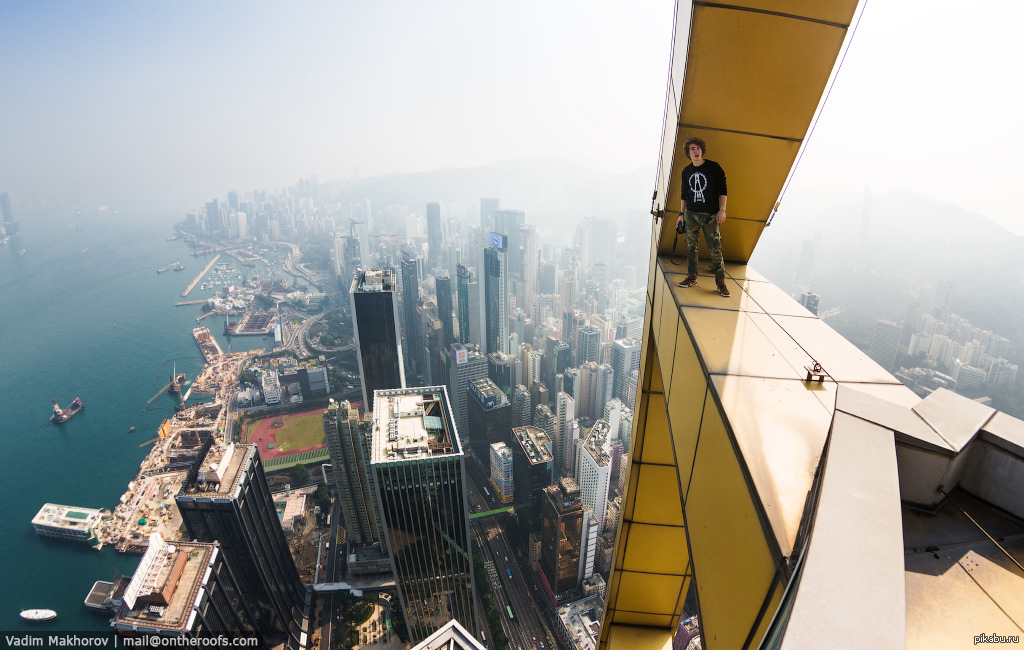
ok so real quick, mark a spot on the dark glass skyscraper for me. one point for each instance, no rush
(469, 306)
(489, 417)
(532, 468)
(443, 291)
(375, 317)
(413, 347)
(226, 499)
(561, 538)
(496, 283)
(418, 466)
(435, 239)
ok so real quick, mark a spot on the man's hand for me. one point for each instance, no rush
(720, 217)
(680, 221)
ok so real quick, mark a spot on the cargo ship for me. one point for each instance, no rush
(162, 269)
(177, 381)
(61, 416)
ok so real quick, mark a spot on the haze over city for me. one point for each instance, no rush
(342, 325)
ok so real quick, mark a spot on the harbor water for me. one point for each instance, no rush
(83, 313)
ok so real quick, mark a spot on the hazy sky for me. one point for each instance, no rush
(157, 99)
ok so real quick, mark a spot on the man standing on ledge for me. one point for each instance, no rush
(704, 199)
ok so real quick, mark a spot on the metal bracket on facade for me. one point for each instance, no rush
(815, 373)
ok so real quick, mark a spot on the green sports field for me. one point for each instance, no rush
(288, 433)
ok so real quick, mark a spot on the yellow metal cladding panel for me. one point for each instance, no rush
(656, 549)
(637, 436)
(630, 637)
(780, 427)
(657, 439)
(654, 374)
(686, 404)
(667, 333)
(705, 294)
(756, 169)
(832, 12)
(774, 300)
(840, 358)
(732, 564)
(773, 606)
(646, 349)
(640, 618)
(737, 343)
(657, 496)
(648, 592)
(686, 589)
(756, 72)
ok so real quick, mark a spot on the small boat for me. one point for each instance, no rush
(131, 429)
(38, 615)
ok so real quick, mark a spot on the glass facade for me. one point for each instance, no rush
(375, 316)
(245, 524)
(423, 503)
(561, 538)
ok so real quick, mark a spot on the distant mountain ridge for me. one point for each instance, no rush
(550, 191)
(907, 242)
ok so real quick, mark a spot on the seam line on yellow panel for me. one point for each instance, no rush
(715, 5)
(652, 573)
(761, 613)
(737, 132)
(653, 523)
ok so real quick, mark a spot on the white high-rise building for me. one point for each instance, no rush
(885, 343)
(594, 469)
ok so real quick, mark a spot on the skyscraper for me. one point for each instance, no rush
(503, 370)
(443, 293)
(495, 307)
(489, 417)
(625, 359)
(350, 458)
(413, 347)
(532, 467)
(435, 238)
(487, 210)
(572, 321)
(508, 222)
(885, 343)
(588, 345)
(557, 358)
(562, 537)
(595, 390)
(501, 472)
(809, 299)
(417, 464)
(565, 412)
(468, 306)
(375, 321)
(464, 365)
(226, 499)
(185, 589)
(593, 469)
(522, 406)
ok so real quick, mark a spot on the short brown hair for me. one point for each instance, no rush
(696, 141)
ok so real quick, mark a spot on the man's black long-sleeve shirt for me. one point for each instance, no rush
(703, 185)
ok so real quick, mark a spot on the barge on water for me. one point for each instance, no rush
(61, 416)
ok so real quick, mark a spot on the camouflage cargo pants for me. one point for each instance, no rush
(696, 222)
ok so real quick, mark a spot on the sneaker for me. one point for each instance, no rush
(689, 281)
(723, 289)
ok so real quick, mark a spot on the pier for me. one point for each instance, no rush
(184, 294)
(190, 302)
